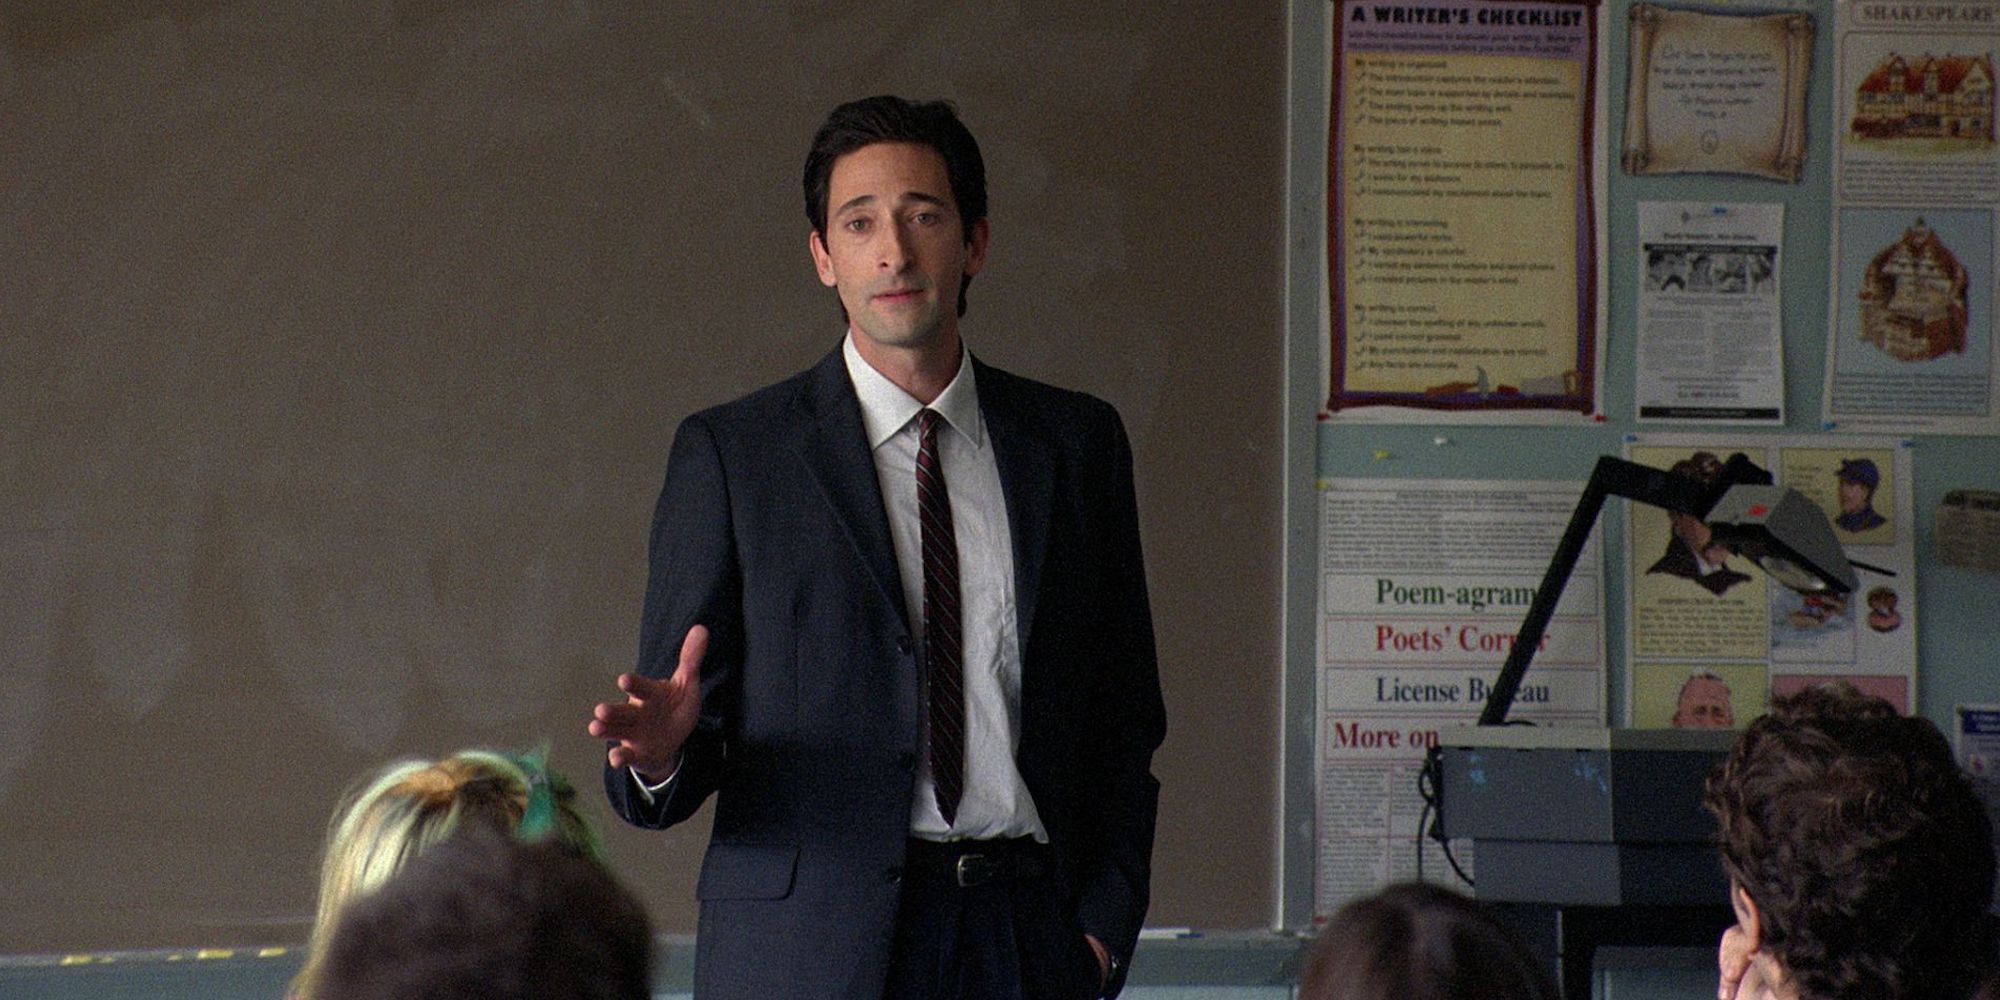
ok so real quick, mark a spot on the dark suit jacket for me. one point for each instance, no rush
(770, 530)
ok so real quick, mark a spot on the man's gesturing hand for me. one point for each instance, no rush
(648, 728)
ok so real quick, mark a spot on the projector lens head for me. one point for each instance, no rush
(1791, 574)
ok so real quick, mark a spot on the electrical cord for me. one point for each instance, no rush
(1430, 822)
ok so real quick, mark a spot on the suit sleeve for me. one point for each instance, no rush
(692, 578)
(1115, 871)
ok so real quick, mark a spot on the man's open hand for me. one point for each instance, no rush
(648, 728)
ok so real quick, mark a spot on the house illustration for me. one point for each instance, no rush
(1927, 97)
(1913, 298)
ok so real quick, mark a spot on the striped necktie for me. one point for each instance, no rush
(944, 673)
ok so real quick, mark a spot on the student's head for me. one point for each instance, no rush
(1421, 942)
(411, 806)
(1856, 849)
(931, 140)
(486, 917)
(1704, 703)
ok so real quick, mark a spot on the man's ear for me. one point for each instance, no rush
(1747, 916)
(822, 261)
(975, 245)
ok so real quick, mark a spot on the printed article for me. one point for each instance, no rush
(1711, 638)
(1710, 349)
(1916, 204)
(1423, 584)
(1465, 212)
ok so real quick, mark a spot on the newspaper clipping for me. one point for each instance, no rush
(1916, 186)
(1423, 585)
(1712, 638)
(1709, 344)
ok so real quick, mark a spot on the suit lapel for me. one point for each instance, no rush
(834, 447)
(1027, 472)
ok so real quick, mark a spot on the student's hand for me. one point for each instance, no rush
(1742, 975)
(1732, 959)
(648, 728)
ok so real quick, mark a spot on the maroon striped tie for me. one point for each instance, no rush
(944, 673)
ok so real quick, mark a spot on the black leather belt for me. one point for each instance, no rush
(968, 863)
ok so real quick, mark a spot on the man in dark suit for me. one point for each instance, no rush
(915, 657)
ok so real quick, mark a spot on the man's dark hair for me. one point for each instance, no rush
(932, 124)
(1868, 854)
(483, 917)
(1415, 941)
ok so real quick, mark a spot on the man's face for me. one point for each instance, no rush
(1704, 705)
(895, 247)
(1854, 496)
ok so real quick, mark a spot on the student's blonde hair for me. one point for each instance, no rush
(412, 805)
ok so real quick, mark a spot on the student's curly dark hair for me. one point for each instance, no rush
(1867, 852)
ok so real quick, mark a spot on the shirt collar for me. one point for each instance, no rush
(886, 409)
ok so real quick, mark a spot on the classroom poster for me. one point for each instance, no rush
(1423, 585)
(1916, 206)
(1715, 92)
(1710, 346)
(1976, 741)
(1465, 212)
(1711, 638)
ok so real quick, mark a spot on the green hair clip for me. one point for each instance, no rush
(538, 820)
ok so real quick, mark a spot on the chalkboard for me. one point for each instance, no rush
(343, 341)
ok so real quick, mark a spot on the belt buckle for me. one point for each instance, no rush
(974, 869)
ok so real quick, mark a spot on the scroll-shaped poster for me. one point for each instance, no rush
(1717, 93)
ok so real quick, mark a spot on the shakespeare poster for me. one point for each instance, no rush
(1915, 215)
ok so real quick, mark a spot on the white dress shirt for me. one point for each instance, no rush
(996, 802)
